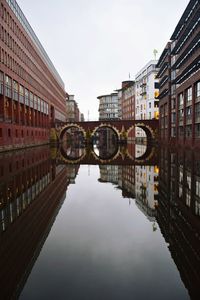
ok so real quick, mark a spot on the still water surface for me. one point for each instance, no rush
(98, 232)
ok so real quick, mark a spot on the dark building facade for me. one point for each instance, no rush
(179, 84)
(178, 213)
(32, 94)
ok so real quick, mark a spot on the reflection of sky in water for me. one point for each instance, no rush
(96, 150)
(100, 247)
(140, 150)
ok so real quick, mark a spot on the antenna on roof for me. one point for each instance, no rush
(155, 53)
(129, 75)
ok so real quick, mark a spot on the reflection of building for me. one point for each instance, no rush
(32, 189)
(32, 95)
(128, 181)
(121, 176)
(109, 174)
(72, 171)
(146, 104)
(108, 107)
(180, 102)
(179, 213)
(146, 184)
(106, 141)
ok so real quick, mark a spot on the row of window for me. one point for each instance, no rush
(14, 40)
(23, 95)
(6, 17)
(188, 35)
(16, 207)
(17, 50)
(22, 133)
(187, 131)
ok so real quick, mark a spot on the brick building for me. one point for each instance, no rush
(32, 94)
(126, 98)
(180, 81)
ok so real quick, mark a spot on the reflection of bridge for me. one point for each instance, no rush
(120, 157)
(120, 127)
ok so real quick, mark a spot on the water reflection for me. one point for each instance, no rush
(32, 189)
(109, 220)
(179, 213)
(108, 153)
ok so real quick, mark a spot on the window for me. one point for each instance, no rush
(198, 89)
(188, 131)
(31, 100)
(197, 188)
(1, 132)
(189, 94)
(39, 104)
(26, 97)
(197, 131)
(21, 94)
(188, 111)
(15, 90)
(9, 132)
(180, 99)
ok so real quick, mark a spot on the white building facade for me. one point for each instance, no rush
(146, 91)
(109, 107)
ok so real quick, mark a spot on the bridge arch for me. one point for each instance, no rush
(69, 126)
(105, 125)
(150, 134)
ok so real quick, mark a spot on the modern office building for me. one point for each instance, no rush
(32, 94)
(182, 100)
(146, 92)
(108, 107)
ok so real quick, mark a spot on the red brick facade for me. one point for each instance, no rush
(32, 95)
(179, 76)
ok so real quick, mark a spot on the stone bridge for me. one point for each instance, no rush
(120, 127)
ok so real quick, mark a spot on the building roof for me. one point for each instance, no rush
(108, 95)
(183, 20)
(162, 57)
(151, 62)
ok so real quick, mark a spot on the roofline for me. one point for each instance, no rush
(108, 95)
(183, 18)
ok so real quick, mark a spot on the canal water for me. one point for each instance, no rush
(104, 231)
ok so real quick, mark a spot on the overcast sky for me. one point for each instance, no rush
(95, 44)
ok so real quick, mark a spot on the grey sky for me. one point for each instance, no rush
(94, 44)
